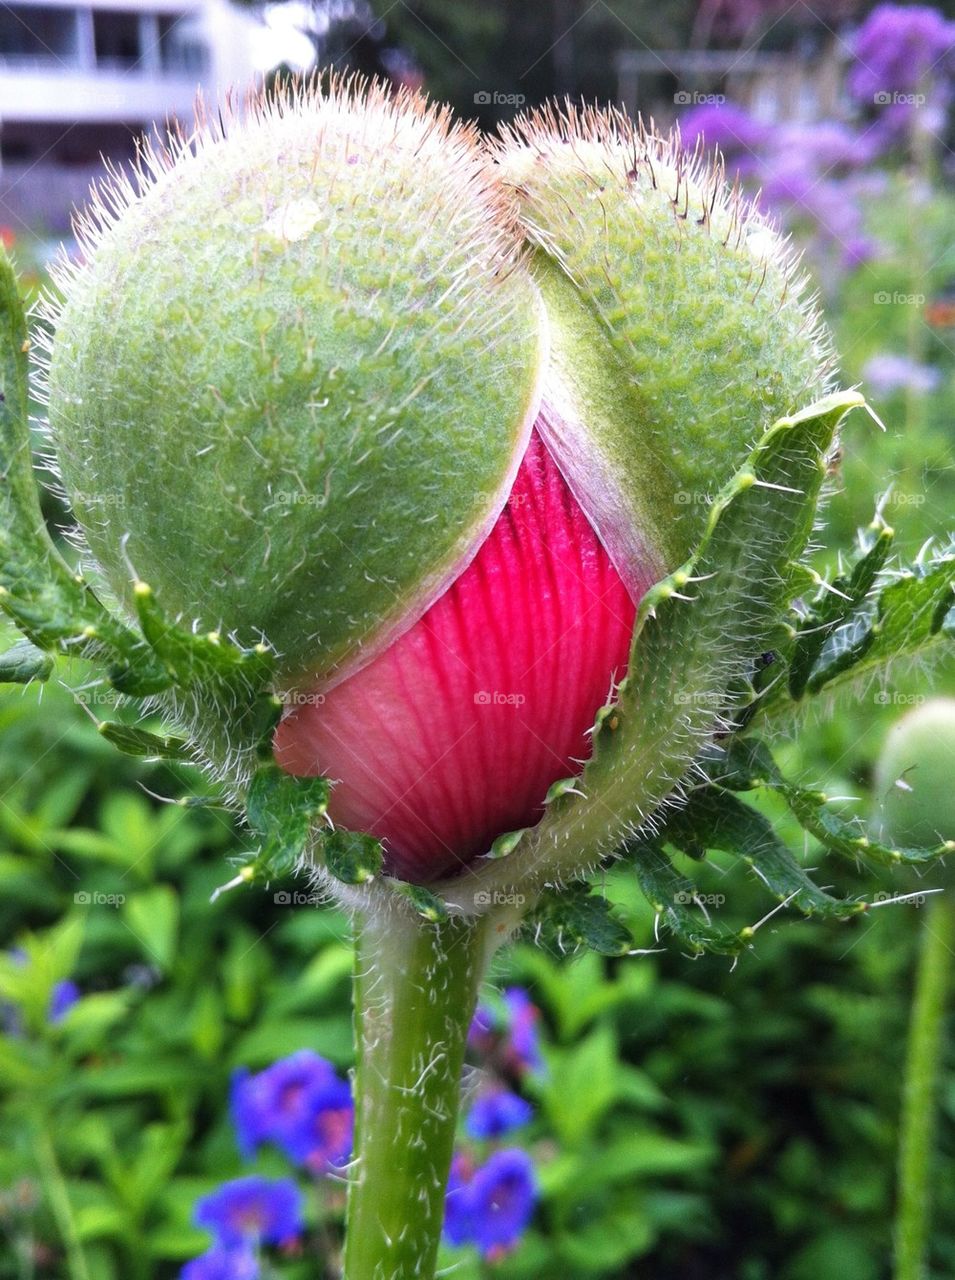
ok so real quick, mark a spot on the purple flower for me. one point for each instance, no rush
(457, 1215)
(62, 999)
(323, 1138)
(513, 1039)
(222, 1264)
(737, 134)
(898, 49)
(278, 1105)
(888, 373)
(251, 1211)
(497, 1112)
(492, 1206)
(523, 1016)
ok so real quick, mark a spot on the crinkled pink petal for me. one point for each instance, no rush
(453, 735)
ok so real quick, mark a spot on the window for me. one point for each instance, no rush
(116, 38)
(182, 49)
(39, 34)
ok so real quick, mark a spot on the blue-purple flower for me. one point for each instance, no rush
(62, 999)
(739, 136)
(512, 1041)
(888, 373)
(222, 1264)
(899, 49)
(496, 1112)
(492, 1205)
(301, 1105)
(251, 1211)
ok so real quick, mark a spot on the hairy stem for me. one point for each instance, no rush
(58, 1198)
(920, 1094)
(416, 986)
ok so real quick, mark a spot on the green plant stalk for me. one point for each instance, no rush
(58, 1198)
(920, 1093)
(415, 989)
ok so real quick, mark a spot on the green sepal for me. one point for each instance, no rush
(283, 812)
(427, 904)
(139, 742)
(834, 604)
(350, 856)
(570, 919)
(23, 663)
(750, 765)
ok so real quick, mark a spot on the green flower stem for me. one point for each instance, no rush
(58, 1198)
(920, 1095)
(416, 987)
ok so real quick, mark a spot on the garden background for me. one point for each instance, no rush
(690, 1117)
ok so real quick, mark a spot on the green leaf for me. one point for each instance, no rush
(582, 1085)
(427, 904)
(24, 662)
(713, 819)
(752, 765)
(152, 915)
(674, 899)
(834, 605)
(566, 920)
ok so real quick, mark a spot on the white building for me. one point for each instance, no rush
(82, 80)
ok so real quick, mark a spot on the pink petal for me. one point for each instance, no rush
(453, 735)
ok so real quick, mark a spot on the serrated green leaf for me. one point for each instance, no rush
(673, 897)
(713, 819)
(566, 921)
(752, 763)
(835, 604)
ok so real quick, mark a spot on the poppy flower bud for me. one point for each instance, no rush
(428, 417)
(913, 782)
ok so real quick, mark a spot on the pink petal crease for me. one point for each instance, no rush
(453, 734)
